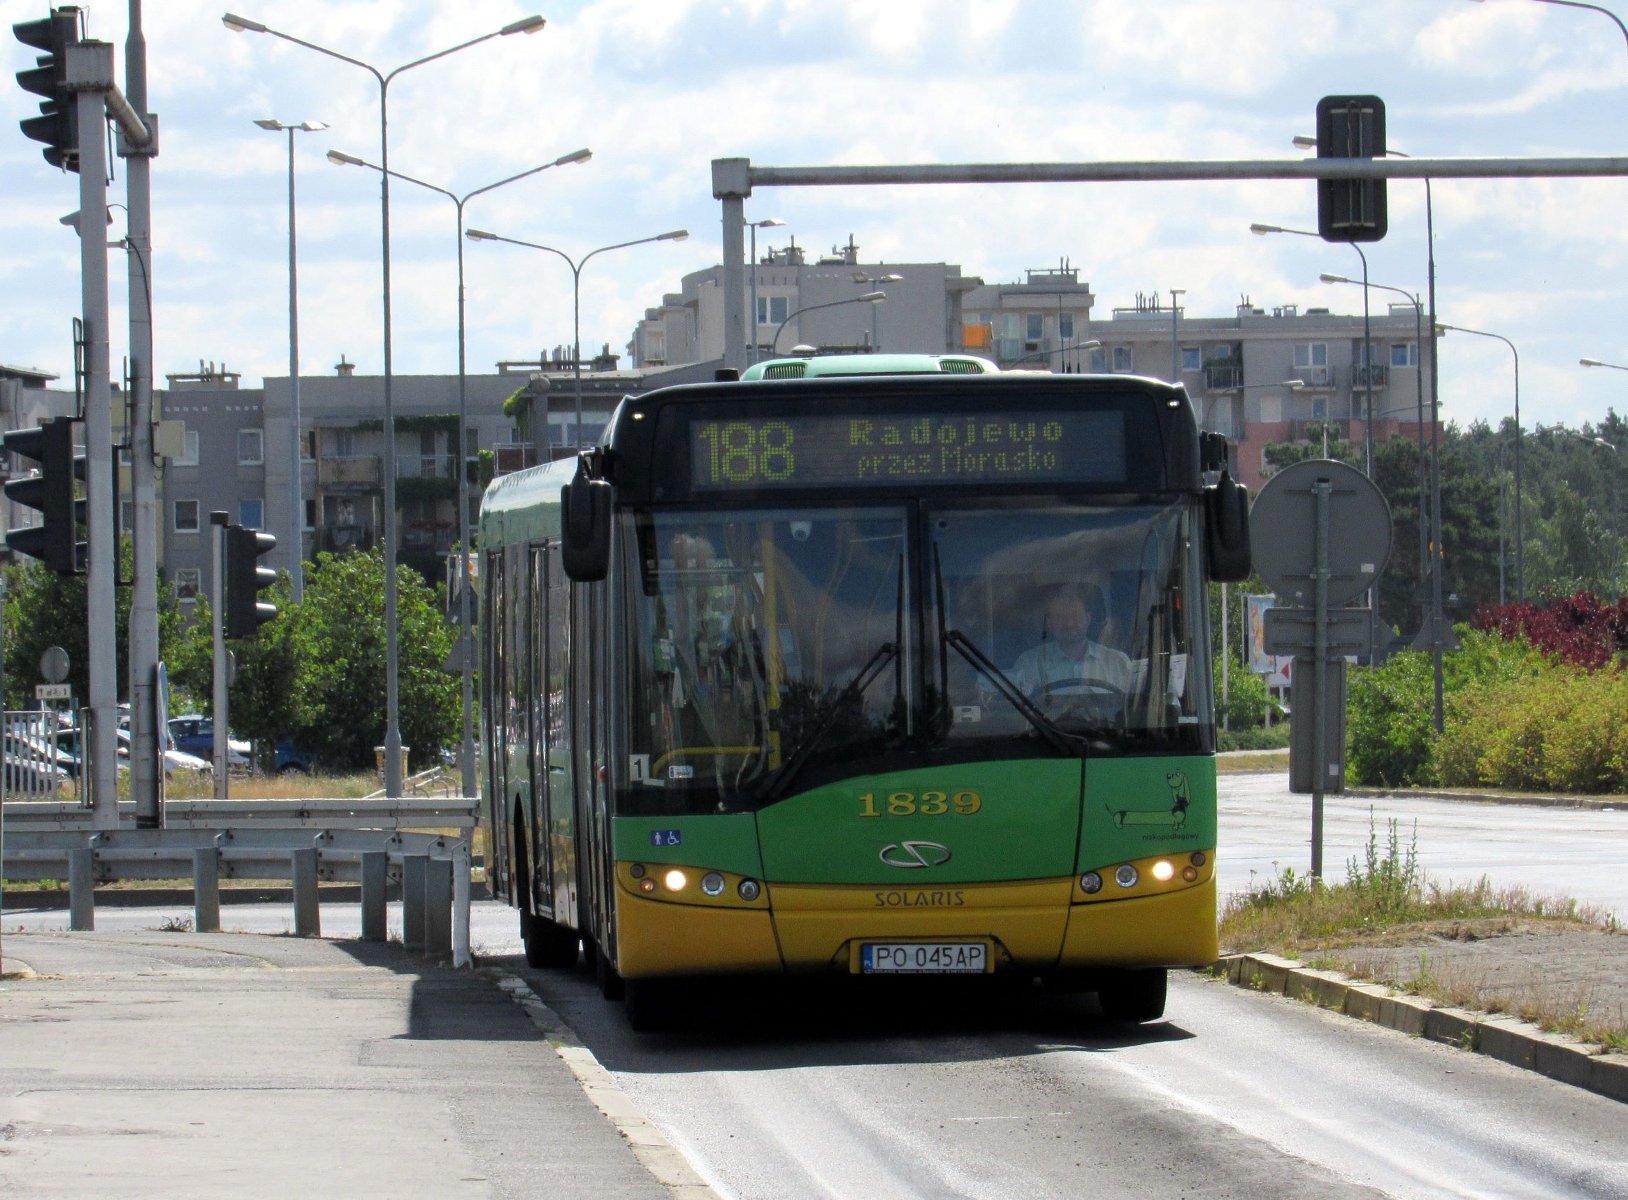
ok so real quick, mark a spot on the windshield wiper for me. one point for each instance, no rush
(829, 712)
(1061, 740)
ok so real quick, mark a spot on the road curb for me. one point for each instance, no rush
(650, 1146)
(1507, 1039)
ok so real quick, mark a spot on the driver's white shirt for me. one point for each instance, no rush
(1049, 662)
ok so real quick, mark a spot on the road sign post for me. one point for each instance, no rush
(1296, 556)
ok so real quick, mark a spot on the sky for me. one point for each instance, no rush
(659, 88)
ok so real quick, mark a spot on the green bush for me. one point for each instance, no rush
(1247, 697)
(1561, 729)
(1390, 730)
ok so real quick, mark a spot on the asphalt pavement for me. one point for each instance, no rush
(151, 1063)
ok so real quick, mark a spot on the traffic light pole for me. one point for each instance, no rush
(146, 773)
(90, 78)
(217, 605)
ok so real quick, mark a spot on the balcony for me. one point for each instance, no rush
(514, 456)
(1379, 375)
(425, 466)
(1315, 377)
(1223, 375)
(354, 473)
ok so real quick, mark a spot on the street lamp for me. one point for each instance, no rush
(867, 298)
(466, 756)
(864, 280)
(1622, 29)
(1594, 362)
(1367, 340)
(296, 502)
(1429, 543)
(576, 265)
(1087, 345)
(754, 226)
(1520, 572)
(532, 24)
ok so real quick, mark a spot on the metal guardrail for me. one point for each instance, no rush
(458, 813)
(303, 841)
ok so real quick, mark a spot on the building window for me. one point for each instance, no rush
(251, 514)
(189, 450)
(250, 448)
(1098, 364)
(1310, 354)
(310, 514)
(1124, 364)
(1034, 327)
(1404, 354)
(1192, 358)
(1065, 327)
(127, 516)
(344, 443)
(772, 310)
(186, 581)
(186, 516)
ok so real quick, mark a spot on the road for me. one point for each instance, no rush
(837, 1090)
(1567, 852)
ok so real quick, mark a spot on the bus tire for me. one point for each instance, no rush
(548, 943)
(611, 984)
(1134, 996)
(652, 1005)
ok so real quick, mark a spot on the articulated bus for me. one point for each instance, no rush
(763, 685)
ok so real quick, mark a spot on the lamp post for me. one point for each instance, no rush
(754, 226)
(1622, 29)
(1520, 563)
(532, 24)
(1087, 345)
(466, 649)
(1430, 544)
(871, 281)
(867, 298)
(1367, 341)
(296, 501)
(1175, 333)
(576, 265)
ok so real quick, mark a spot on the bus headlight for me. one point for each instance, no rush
(1090, 883)
(675, 880)
(748, 890)
(712, 883)
(1126, 876)
(1164, 870)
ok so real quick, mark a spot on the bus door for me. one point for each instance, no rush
(541, 855)
(588, 690)
(499, 852)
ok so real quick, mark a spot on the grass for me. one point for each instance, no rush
(1387, 901)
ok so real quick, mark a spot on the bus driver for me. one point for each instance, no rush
(1066, 653)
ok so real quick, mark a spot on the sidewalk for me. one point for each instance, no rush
(138, 1064)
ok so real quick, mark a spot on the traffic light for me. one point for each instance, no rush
(1351, 210)
(51, 489)
(58, 123)
(245, 611)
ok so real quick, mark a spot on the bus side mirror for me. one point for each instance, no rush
(585, 522)
(1226, 530)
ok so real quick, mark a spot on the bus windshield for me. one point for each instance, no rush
(775, 648)
(762, 640)
(1072, 620)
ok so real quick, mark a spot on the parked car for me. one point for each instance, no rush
(178, 764)
(291, 759)
(195, 734)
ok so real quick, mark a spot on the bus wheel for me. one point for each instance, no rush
(611, 984)
(652, 1005)
(548, 943)
(1134, 996)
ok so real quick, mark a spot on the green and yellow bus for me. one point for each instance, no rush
(777, 680)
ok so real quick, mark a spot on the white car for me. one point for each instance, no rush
(177, 763)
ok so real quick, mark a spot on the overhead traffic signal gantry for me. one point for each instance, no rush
(246, 578)
(58, 123)
(52, 489)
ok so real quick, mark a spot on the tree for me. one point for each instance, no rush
(46, 609)
(338, 648)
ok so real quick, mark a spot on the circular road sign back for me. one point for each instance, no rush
(54, 664)
(1282, 532)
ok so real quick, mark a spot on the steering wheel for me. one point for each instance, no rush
(1093, 695)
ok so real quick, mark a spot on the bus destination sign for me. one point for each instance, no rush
(908, 449)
